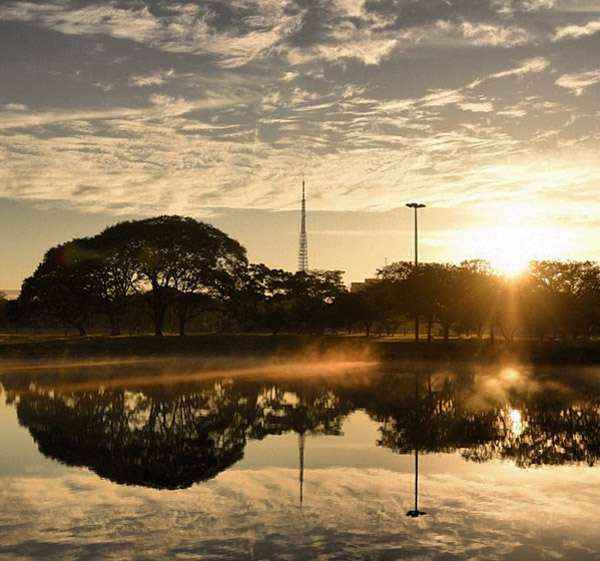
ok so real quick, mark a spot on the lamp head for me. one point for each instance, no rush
(415, 205)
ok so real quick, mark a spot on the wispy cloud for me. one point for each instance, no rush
(226, 104)
(528, 66)
(186, 29)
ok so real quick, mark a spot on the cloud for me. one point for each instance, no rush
(515, 6)
(529, 66)
(14, 107)
(160, 106)
(373, 100)
(578, 82)
(482, 34)
(186, 28)
(440, 98)
(347, 43)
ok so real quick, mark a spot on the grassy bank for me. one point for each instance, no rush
(221, 345)
(252, 345)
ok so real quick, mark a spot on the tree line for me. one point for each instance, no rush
(163, 273)
(169, 272)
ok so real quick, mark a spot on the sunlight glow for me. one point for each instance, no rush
(510, 249)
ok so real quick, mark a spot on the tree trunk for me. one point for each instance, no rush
(182, 322)
(115, 327)
(446, 332)
(159, 310)
(492, 334)
(159, 319)
(416, 328)
(429, 326)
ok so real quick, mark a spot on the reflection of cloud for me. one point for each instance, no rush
(153, 79)
(577, 31)
(579, 81)
(477, 107)
(347, 513)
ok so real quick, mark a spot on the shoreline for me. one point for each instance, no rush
(38, 348)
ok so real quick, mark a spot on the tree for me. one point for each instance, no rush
(311, 295)
(178, 258)
(572, 290)
(3, 310)
(479, 285)
(63, 286)
(116, 275)
(260, 298)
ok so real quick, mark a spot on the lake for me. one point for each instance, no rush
(300, 460)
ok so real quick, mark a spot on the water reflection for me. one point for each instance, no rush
(172, 436)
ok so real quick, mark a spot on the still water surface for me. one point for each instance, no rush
(301, 461)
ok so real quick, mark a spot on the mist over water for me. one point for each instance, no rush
(297, 459)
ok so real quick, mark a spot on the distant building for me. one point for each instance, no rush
(10, 294)
(358, 286)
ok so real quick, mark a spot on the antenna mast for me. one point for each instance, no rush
(303, 249)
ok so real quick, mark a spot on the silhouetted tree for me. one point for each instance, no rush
(64, 286)
(3, 310)
(177, 257)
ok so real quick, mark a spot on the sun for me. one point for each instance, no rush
(510, 249)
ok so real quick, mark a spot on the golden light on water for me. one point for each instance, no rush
(516, 421)
(510, 375)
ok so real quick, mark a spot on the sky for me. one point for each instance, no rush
(486, 111)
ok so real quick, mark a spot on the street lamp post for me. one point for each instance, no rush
(416, 207)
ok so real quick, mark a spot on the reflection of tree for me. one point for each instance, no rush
(430, 416)
(304, 409)
(434, 417)
(553, 429)
(531, 428)
(169, 437)
(157, 440)
(173, 436)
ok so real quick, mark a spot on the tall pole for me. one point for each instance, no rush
(416, 207)
(416, 239)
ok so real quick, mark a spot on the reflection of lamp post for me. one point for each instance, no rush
(416, 206)
(415, 513)
(301, 441)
